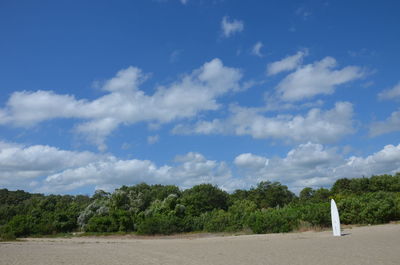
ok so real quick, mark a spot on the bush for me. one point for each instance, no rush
(397, 204)
(123, 220)
(7, 236)
(369, 208)
(160, 224)
(193, 223)
(159, 209)
(101, 224)
(65, 222)
(240, 213)
(316, 214)
(273, 221)
(20, 225)
(217, 221)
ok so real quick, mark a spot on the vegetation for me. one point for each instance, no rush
(157, 209)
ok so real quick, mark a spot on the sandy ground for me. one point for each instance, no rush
(360, 245)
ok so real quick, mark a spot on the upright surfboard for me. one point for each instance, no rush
(335, 219)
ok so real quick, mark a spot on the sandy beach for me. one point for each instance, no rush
(360, 245)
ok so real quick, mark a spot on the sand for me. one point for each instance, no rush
(360, 245)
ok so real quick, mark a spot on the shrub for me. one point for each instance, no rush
(101, 224)
(369, 208)
(317, 214)
(20, 225)
(7, 236)
(160, 224)
(273, 221)
(123, 220)
(193, 223)
(98, 207)
(397, 206)
(240, 213)
(64, 222)
(217, 221)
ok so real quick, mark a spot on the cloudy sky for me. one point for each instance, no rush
(99, 94)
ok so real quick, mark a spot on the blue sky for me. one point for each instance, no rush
(99, 94)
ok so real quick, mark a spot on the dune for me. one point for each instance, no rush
(360, 245)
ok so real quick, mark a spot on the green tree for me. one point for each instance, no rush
(306, 194)
(271, 194)
(341, 186)
(240, 212)
(203, 198)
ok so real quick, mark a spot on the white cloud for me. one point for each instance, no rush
(184, 2)
(314, 79)
(385, 161)
(274, 103)
(29, 108)
(317, 125)
(65, 171)
(286, 64)
(391, 124)
(19, 163)
(390, 94)
(316, 166)
(48, 169)
(125, 103)
(248, 160)
(126, 80)
(191, 169)
(256, 50)
(230, 27)
(304, 162)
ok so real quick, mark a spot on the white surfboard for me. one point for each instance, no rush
(335, 219)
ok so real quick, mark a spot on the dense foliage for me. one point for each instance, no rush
(157, 209)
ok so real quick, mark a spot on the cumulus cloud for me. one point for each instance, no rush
(251, 161)
(126, 80)
(125, 103)
(286, 64)
(231, 27)
(190, 169)
(317, 78)
(317, 125)
(303, 162)
(54, 170)
(385, 161)
(27, 108)
(391, 124)
(390, 94)
(316, 166)
(19, 163)
(48, 169)
(256, 50)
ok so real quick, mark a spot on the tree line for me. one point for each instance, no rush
(270, 207)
